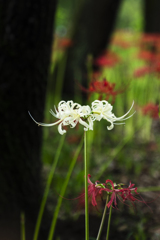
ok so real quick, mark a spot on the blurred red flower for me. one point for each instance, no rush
(151, 38)
(157, 67)
(153, 68)
(142, 71)
(150, 52)
(103, 88)
(65, 42)
(151, 109)
(109, 59)
(120, 43)
(147, 55)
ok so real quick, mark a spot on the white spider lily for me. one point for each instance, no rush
(70, 113)
(102, 109)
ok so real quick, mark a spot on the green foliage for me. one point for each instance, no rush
(122, 154)
(64, 16)
(130, 16)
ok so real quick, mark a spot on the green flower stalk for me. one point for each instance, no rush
(86, 188)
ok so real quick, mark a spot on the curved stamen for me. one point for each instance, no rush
(45, 124)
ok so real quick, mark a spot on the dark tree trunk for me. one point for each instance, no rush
(91, 35)
(26, 30)
(152, 16)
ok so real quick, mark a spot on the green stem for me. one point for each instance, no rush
(60, 76)
(89, 145)
(109, 221)
(45, 195)
(22, 226)
(86, 187)
(54, 220)
(103, 218)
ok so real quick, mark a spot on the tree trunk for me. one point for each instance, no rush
(26, 32)
(152, 16)
(91, 35)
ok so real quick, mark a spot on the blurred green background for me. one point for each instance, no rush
(82, 51)
(127, 153)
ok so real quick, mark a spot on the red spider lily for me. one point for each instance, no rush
(143, 71)
(95, 75)
(150, 38)
(109, 60)
(153, 68)
(122, 193)
(94, 192)
(121, 40)
(151, 42)
(65, 42)
(150, 52)
(103, 88)
(157, 67)
(152, 110)
(147, 55)
(62, 43)
(120, 43)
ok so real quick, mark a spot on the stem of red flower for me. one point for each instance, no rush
(103, 217)
(86, 187)
(109, 221)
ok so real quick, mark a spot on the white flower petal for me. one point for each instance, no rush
(86, 126)
(54, 114)
(119, 118)
(60, 130)
(90, 123)
(111, 126)
(70, 113)
(44, 124)
(102, 109)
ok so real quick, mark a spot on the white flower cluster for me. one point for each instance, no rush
(70, 113)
